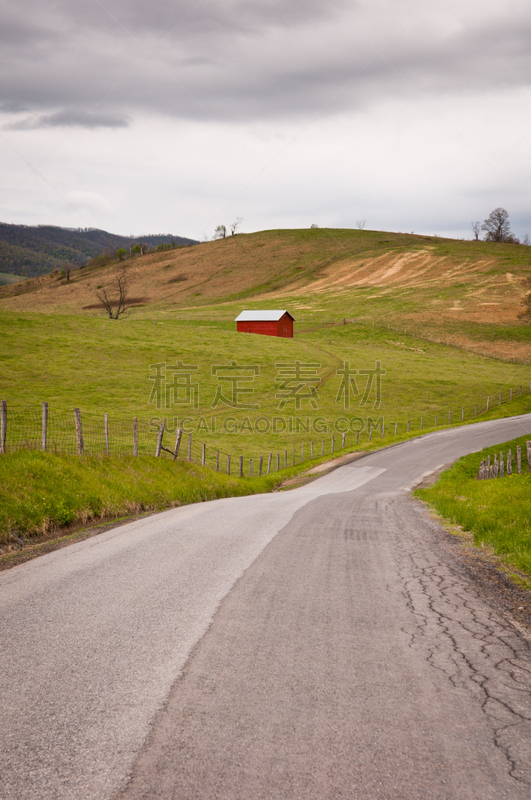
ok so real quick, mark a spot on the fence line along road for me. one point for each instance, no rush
(80, 434)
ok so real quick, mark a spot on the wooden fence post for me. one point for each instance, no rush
(278, 462)
(332, 443)
(44, 425)
(293, 455)
(311, 450)
(370, 434)
(408, 426)
(285, 459)
(435, 420)
(488, 403)
(396, 428)
(519, 459)
(528, 453)
(302, 453)
(421, 422)
(79, 432)
(357, 437)
(217, 460)
(177, 443)
(260, 466)
(3, 426)
(323, 448)
(509, 463)
(449, 418)
(241, 466)
(502, 464)
(203, 454)
(269, 463)
(511, 394)
(462, 415)
(499, 396)
(189, 447)
(159, 440)
(250, 467)
(228, 464)
(343, 441)
(135, 436)
(106, 426)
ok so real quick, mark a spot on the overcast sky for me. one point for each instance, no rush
(178, 115)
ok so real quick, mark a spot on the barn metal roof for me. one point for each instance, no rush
(260, 316)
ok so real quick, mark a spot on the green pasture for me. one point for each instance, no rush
(497, 512)
(107, 366)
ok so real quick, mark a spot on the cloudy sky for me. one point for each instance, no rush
(175, 116)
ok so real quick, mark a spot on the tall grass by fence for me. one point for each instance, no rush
(79, 434)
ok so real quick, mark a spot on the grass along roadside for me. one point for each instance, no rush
(496, 512)
(42, 493)
(48, 500)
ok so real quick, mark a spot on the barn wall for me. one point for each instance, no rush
(268, 328)
(287, 323)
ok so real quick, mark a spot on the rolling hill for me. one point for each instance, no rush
(469, 289)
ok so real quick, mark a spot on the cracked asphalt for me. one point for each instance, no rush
(317, 643)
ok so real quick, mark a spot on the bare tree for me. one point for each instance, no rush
(238, 221)
(220, 232)
(361, 223)
(497, 226)
(476, 230)
(526, 240)
(115, 308)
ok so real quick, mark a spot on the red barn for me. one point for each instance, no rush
(268, 323)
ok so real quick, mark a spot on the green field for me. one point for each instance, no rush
(177, 358)
(497, 512)
(251, 408)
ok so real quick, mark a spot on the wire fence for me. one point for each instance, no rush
(74, 433)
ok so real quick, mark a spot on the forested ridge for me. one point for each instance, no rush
(31, 250)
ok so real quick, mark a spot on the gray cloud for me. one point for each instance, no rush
(68, 118)
(248, 59)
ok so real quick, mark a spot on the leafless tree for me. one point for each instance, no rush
(361, 223)
(497, 226)
(476, 230)
(220, 232)
(237, 222)
(115, 308)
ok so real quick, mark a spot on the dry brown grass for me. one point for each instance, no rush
(324, 269)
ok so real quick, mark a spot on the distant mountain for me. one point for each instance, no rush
(32, 250)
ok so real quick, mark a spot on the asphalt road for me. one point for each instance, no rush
(307, 644)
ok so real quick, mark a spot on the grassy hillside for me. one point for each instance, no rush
(470, 291)
(107, 366)
(185, 303)
(178, 358)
